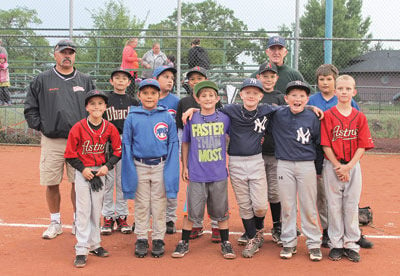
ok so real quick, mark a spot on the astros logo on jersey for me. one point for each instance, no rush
(161, 131)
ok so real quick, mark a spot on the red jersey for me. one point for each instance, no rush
(88, 145)
(345, 134)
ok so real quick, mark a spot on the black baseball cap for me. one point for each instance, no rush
(65, 44)
(95, 93)
(121, 70)
(251, 82)
(299, 85)
(197, 69)
(267, 67)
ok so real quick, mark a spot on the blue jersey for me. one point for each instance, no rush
(171, 103)
(319, 101)
(295, 135)
(247, 128)
(149, 134)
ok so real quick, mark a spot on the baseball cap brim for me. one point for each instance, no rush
(121, 71)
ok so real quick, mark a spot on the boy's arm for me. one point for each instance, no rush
(185, 155)
(116, 155)
(187, 115)
(129, 177)
(171, 167)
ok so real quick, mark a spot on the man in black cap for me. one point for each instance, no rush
(55, 101)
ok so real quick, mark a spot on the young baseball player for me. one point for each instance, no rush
(194, 76)
(345, 137)
(117, 110)
(85, 152)
(204, 166)
(150, 166)
(165, 75)
(296, 131)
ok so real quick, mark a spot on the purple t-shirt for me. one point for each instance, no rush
(207, 151)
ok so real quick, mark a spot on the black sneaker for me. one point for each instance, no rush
(80, 261)
(364, 243)
(336, 254)
(243, 239)
(325, 239)
(181, 249)
(141, 246)
(352, 255)
(158, 248)
(99, 252)
(171, 227)
(276, 234)
(227, 250)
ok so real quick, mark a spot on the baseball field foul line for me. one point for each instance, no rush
(26, 225)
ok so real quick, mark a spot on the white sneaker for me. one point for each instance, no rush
(52, 231)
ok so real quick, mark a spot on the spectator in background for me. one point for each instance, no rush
(171, 61)
(5, 98)
(198, 55)
(2, 49)
(152, 59)
(130, 61)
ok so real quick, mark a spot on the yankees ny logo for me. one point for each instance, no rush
(260, 126)
(304, 137)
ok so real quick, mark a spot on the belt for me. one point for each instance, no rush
(151, 161)
(342, 161)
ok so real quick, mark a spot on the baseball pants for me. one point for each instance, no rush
(88, 214)
(271, 165)
(298, 179)
(343, 199)
(151, 199)
(120, 207)
(249, 183)
(322, 203)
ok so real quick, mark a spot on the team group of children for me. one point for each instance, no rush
(270, 138)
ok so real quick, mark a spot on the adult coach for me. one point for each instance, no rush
(276, 52)
(55, 101)
(153, 59)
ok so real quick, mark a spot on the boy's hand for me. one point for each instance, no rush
(185, 174)
(102, 171)
(343, 172)
(188, 114)
(318, 112)
(87, 173)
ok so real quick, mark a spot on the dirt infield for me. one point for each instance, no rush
(24, 216)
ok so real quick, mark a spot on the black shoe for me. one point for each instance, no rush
(364, 243)
(336, 254)
(181, 249)
(80, 261)
(227, 250)
(325, 239)
(171, 227)
(99, 252)
(352, 255)
(158, 248)
(141, 248)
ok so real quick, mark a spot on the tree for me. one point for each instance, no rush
(209, 19)
(347, 23)
(23, 46)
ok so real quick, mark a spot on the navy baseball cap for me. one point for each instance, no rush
(95, 93)
(252, 82)
(205, 84)
(149, 82)
(267, 67)
(299, 85)
(65, 44)
(159, 70)
(276, 40)
(197, 69)
(121, 70)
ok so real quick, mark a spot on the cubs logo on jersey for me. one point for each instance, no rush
(161, 131)
(172, 112)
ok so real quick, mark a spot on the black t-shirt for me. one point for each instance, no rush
(118, 109)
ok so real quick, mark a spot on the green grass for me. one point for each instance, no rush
(384, 125)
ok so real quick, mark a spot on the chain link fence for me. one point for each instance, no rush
(235, 44)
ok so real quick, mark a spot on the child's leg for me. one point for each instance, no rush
(288, 196)
(172, 204)
(158, 201)
(334, 195)
(307, 193)
(271, 165)
(121, 204)
(95, 215)
(217, 205)
(322, 204)
(351, 199)
(142, 201)
(83, 208)
(108, 209)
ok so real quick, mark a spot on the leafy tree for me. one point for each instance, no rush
(347, 23)
(23, 46)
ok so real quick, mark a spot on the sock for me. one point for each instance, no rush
(186, 235)
(55, 217)
(275, 212)
(250, 226)
(259, 221)
(224, 234)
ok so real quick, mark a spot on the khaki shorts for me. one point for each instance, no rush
(52, 162)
